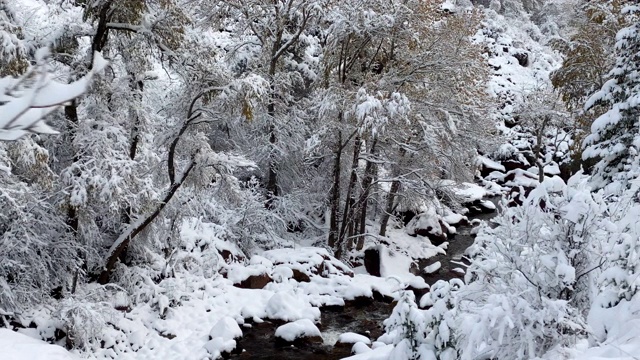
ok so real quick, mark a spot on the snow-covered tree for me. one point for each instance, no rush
(542, 115)
(25, 101)
(614, 135)
(530, 284)
(588, 57)
(428, 331)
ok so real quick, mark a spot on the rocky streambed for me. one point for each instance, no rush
(363, 316)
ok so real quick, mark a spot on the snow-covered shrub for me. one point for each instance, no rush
(619, 280)
(86, 315)
(529, 285)
(424, 334)
(440, 341)
(35, 255)
(405, 328)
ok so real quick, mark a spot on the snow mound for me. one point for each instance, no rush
(297, 329)
(352, 338)
(16, 346)
(289, 307)
(308, 260)
(218, 346)
(227, 329)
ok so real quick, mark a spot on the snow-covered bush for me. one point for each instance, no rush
(619, 282)
(529, 285)
(405, 328)
(86, 315)
(424, 334)
(440, 340)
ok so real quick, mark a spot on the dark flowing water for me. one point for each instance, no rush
(363, 317)
(454, 258)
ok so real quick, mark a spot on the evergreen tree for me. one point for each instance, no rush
(615, 135)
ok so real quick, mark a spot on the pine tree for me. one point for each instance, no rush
(615, 137)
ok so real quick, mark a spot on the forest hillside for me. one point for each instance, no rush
(319, 179)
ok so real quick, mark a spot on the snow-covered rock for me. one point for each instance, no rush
(298, 329)
(227, 329)
(432, 268)
(288, 306)
(352, 338)
(218, 346)
(360, 348)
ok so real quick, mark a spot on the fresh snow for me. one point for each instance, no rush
(16, 346)
(491, 164)
(297, 329)
(227, 329)
(432, 268)
(352, 338)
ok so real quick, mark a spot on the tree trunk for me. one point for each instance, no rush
(538, 154)
(364, 198)
(122, 243)
(272, 173)
(98, 42)
(334, 201)
(347, 215)
(391, 197)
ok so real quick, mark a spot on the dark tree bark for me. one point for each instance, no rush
(390, 207)
(347, 215)
(391, 197)
(334, 201)
(363, 202)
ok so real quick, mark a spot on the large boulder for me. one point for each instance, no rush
(429, 226)
(372, 261)
(254, 281)
(307, 262)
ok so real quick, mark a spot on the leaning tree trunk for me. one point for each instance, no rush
(122, 243)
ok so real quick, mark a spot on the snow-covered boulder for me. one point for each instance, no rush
(487, 166)
(217, 347)
(306, 262)
(432, 268)
(352, 338)
(226, 328)
(430, 226)
(360, 348)
(223, 337)
(252, 276)
(289, 307)
(301, 330)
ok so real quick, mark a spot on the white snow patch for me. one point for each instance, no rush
(226, 328)
(432, 268)
(288, 306)
(352, 338)
(17, 346)
(297, 329)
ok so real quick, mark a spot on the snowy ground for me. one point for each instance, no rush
(193, 317)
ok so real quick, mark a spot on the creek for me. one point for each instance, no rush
(364, 316)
